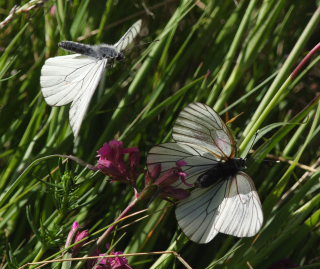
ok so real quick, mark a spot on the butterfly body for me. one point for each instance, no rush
(224, 198)
(100, 52)
(223, 170)
(73, 78)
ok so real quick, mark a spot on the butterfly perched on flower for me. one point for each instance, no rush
(74, 78)
(224, 198)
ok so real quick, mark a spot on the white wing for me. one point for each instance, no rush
(241, 214)
(198, 161)
(72, 78)
(127, 38)
(231, 206)
(200, 125)
(81, 102)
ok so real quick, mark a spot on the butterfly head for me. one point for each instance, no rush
(120, 56)
(241, 163)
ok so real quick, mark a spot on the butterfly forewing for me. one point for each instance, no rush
(199, 125)
(62, 77)
(81, 102)
(168, 154)
(128, 37)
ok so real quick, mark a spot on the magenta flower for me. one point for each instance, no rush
(176, 193)
(75, 236)
(80, 236)
(168, 178)
(72, 233)
(111, 161)
(53, 10)
(118, 262)
(111, 262)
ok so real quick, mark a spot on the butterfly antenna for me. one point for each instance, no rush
(142, 45)
(272, 159)
(147, 43)
(254, 140)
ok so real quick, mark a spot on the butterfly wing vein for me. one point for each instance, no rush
(224, 207)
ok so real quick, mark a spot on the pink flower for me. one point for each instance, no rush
(118, 262)
(110, 262)
(75, 236)
(168, 178)
(103, 264)
(111, 161)
(176, 193)
(72, 233)
(53, 10)
(172, 175)
(80, 236)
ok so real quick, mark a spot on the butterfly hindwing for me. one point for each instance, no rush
(72, 78)
(230, 206)
(241, 212)
(197, 214)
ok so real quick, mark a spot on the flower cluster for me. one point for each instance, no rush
(76, 236)
(112, 161)
(112, 262)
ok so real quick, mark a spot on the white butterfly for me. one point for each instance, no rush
(74, 78)
(225, 199)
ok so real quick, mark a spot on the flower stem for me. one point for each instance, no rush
(305, 60)
(102, 239)
(125, 212)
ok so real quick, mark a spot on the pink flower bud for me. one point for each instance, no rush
(178, 194)
(72, 233)
(80, 236)
(181, 163)
(75, 226)
(53, 10)
(168, 178)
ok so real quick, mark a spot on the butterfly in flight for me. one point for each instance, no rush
(74, 78)
(224, 198)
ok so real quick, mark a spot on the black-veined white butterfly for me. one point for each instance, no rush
(74, 78)
(225, 199)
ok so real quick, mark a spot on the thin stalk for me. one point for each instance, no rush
(269, 101)
(255, 124)
(229, 59)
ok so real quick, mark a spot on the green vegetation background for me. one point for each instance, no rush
(236, 56)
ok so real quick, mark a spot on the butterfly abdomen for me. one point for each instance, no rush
(78, 48)
(221, 171)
